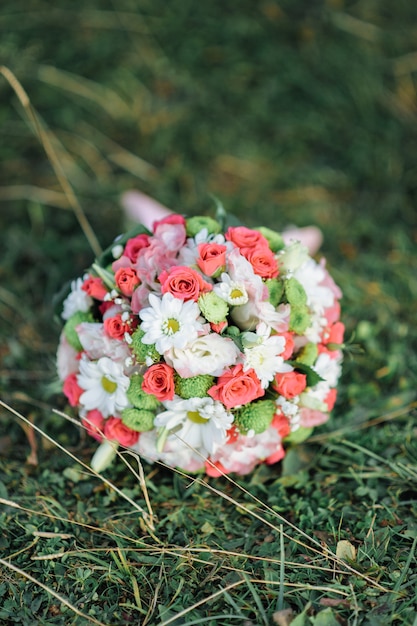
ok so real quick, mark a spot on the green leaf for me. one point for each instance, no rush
(312, 377)
(325, 618)
(106, 258)
(299, 435)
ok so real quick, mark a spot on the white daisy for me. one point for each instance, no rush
(262, 354)
(232, 291)
(105, 386)
(170, 322)
(200, 422)
(77, 300)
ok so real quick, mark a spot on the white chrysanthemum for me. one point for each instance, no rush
(329, 369)
(210, 354)
(292, 257)
(310, 275)
(170, 322)
(77, 300)
(200, 422)
(262, 354)
(232, 291)
(105, 386)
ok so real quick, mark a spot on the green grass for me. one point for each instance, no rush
(289, 112)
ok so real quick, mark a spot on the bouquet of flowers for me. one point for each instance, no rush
(201, 345)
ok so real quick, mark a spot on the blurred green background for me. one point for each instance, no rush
(290, 112)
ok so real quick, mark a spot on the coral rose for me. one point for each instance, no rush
(158, 380)
(115, 327)
(290, 384)
(281, 424)
(183, 283)
(236, 387)
(289, 345)
(263, 262)
(94, 287)
(115, 430)
(126, 280)
(334, 334)
(246, 238)
(212, 258)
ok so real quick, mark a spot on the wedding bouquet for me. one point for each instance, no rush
(201, 345)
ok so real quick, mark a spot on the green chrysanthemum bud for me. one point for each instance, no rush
(214, 308)
(274, 239)
(295, 292)
(193, 225)
(275, 290)
(143, 351)
(138, 419)
(139, 398)
(193, 387)
(256, 416)
(299, 319)
(308, 355)
(70, 326)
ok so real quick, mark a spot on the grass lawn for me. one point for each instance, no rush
(301, 112)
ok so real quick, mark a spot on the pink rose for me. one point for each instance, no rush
(158, 380)
(311, 417)
(72, 390)
(246, 238)
(94, 287)
(290, 384)
(212, 257)
(183, 283)
(263, 262)
(332, 313)
(172, 218)
(171, 232)
(152, 261)
(126, 280)
(94, 424)
(135, 245)
(115, 430)
(236, 387)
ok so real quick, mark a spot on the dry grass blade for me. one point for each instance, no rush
(146, 516)
(48, 197)
(45, 140)
(53, 593)
(105, 97)
(402, 412)
(320, 550)
(122, 157)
